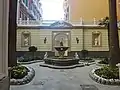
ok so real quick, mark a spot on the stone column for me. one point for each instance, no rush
(4, 11)
(12, 60)
(18, 9)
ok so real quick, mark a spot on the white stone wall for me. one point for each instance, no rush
(79, 34)
(88, 40)
(37, 39)
(38, 35)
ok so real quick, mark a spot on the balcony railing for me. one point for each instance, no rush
(28, 22)
(49, 22)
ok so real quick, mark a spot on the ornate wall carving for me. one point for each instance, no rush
(61, 24)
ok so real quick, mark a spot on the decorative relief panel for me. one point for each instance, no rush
(96, 39)
(26, 39)
(61, 24)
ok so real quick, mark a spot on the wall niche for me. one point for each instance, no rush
(26, 39)
(96, 39)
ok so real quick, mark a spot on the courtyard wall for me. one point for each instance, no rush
(84, 34)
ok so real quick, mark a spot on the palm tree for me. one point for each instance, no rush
(114, 41)
(105, 22)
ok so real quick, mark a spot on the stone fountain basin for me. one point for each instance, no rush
(61, 48)
(61, 61)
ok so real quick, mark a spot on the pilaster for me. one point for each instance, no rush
(4, 12)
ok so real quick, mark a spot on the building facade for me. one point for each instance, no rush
(29, 9)
(93, 38)
(88, 9)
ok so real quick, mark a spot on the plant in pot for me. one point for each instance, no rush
(84, 54)
(104, 61)
(33, 49)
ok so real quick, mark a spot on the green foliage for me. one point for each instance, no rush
(104, 61)
(25, 59)
(104, 22)
(19, 72)
(32, 49)
(84, 53)
(108, 72)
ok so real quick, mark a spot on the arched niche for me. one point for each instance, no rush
(25, 39)
(96, 38)
(57, 37)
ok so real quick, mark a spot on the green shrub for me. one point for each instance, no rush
(25, 59)
(18, 72)
(84, 53)
(104, 61)
(108, 72)
(33, 49)
(28, 58)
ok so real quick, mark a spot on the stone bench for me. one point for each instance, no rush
(4, 82)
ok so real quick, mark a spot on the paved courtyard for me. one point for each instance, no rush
(63, 79)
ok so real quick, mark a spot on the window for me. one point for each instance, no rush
(20, 14)
(96, 38)
(25, 2)
(23, 16)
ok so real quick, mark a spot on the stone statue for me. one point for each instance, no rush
(61, 43)
(46, 55)
(77, 40)
(45, 40)
(76, 56)
(96, 41)
(26, 41)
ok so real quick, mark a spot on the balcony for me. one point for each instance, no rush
(49, 22)
(41, 22)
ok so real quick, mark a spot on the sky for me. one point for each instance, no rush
(52, 9)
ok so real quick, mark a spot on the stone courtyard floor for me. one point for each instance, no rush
(62, 79)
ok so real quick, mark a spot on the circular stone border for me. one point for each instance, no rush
(101, 80)
(28, 78)
(61, 67)
(30, 62)
(81, 64)
(98, 64)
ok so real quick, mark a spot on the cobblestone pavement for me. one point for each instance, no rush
(62, 79)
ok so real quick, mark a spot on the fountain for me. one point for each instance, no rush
(61, 60)
(61, 51)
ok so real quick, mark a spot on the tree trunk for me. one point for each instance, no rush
(114, 41)
(108, 28)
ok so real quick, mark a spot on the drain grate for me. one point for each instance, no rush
(89, 87)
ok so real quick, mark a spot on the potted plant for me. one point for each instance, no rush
(33, 49)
